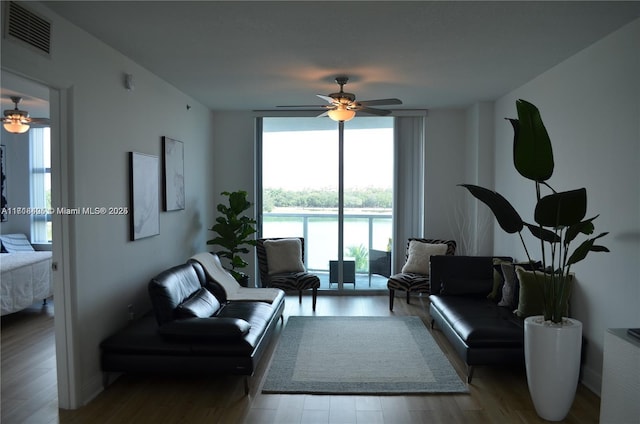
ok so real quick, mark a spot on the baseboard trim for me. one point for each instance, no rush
(592, 380)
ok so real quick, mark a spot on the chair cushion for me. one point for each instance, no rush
(295, 281)
(284, 255)
(419, 256)
(416, 283)
(202, 304)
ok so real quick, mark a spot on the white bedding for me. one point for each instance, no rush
(25, 279)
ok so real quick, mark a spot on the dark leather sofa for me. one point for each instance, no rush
(480, 331)
(193, 329)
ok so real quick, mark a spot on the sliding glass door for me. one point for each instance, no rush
(337, 194)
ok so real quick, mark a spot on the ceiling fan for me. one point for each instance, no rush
(343, 106)
(18, 121)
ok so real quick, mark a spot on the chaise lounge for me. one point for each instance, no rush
(195, 329)
(480, 331)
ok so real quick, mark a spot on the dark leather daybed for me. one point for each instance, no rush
(480, 331)
(194, 329)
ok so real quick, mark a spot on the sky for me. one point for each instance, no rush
(297, 160)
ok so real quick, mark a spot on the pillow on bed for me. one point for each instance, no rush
(16, 243)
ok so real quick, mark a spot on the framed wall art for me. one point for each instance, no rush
(145, 204)
(3, 183)
(173, 174)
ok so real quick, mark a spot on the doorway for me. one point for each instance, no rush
(50, 102)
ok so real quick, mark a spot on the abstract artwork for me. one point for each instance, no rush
(145, 204)
(173, 173)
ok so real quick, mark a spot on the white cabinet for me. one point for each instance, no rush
(620, 401)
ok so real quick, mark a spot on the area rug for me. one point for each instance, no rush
(359, 355)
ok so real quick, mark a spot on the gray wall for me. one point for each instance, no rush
(105, 122)
(590, 104)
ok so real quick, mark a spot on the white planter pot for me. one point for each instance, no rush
(552, 357)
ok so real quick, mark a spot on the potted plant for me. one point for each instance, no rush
(552, 341)
(234, 232)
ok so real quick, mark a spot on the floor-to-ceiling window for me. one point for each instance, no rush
(40, 184)
(338, 196)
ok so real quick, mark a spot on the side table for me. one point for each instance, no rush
(348, 272)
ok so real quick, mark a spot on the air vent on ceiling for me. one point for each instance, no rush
(28, 27)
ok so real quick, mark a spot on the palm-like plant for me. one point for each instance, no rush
(360, 255)
(559, 216)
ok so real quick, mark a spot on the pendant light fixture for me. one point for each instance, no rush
(16, 121)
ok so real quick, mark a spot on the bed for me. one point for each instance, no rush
(25, 278)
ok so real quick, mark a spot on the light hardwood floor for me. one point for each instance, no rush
(497, 394)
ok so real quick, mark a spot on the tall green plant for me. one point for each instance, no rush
(234, 231)
(559, 216)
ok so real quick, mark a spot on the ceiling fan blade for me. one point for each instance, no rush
(304, 106)
(327, 98)
(41, 121)
(379, 102)
(372, 111)
(323, 114)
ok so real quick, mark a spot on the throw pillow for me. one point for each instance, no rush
(16, 243)
(531, 295)
(498, 280)
(420, 255)
(284, 255)
(509, 299)
(511, 286)
(202, 304)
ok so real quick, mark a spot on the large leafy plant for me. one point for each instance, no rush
(234, 231)
(559, 216)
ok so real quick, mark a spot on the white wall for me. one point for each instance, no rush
(107, 271)
(590, 104)
(444, 169)
(233, 164)
(476, 218)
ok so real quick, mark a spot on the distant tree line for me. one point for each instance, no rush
(353, 198)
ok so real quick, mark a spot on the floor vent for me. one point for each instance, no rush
(24, 25)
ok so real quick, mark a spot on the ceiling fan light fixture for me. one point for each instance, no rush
(14, 125)
(16, 121)
(341, 114)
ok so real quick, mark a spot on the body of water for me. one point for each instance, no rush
(321, 234)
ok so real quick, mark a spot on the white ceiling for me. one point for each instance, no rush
(241, 55)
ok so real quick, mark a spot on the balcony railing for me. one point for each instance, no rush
(363, 232)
